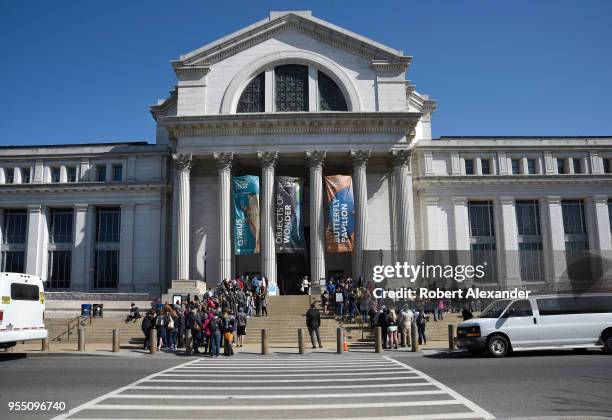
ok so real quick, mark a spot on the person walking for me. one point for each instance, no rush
(405, 324)
(313, 322)
(147, 325)
(241, 320)
(305, 287)
(264, 304)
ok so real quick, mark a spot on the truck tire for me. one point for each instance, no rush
(498, 346)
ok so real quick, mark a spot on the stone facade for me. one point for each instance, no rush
(411, 191)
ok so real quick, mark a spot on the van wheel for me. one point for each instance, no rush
(606, 338)
(498, 346)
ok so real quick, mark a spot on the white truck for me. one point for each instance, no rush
(22, 309)
(540, 322)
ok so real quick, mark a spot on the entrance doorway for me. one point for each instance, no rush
(292, 267)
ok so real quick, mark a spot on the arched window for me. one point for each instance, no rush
(291, 87)
(330, 95)
(253, 96)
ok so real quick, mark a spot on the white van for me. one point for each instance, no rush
(540, 322)
(22, 309)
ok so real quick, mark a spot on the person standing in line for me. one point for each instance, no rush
(264, 305)
(241, 320)
(313, 322)
(215, 335)
(162, 332)
(148, 323)
(194, 323)
(441, 308)
(421, 323)
(466, 313)
(392, 330)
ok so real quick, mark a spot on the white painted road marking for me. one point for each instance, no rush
(370, 387)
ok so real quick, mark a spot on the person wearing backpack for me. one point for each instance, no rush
(160, 326)
(421, 324)
(148, 323)
(241, 320)
(172, 327)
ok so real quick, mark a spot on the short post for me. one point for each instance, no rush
(451, 337)
(339, 341)
(115, 340)
(153, 341)
(188, 342)
(414, 338)
(378, 340)
(264, 342)
(300, 340)
(81, 339)
(45, 344)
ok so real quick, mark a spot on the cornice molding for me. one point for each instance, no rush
(293, 123)
(505, 180)
(189, 70)
(81, 187)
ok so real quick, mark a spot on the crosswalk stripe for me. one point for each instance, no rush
(299, 380)
(281, 396)
(203, 387)
(208, 407)
(265, 375)
(189, 369)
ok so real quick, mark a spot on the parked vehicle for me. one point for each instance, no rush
(540, 322)
(22, 309)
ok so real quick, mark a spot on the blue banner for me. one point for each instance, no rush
(246, 214)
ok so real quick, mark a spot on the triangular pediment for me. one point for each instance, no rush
(301, 21)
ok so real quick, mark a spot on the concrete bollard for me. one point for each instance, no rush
(378, 340)
(300, 340)
(45, 344)
(81, 339)
(451, 337)
(339, 341)
(414, 338)
(116, 346)
(264, 342)
(153, 341)
(188, 342)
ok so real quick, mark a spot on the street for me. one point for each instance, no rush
(431, 385)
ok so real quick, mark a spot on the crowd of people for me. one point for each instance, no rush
(217, 320)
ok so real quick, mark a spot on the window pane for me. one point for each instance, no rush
(531, 261)
(291, 88)
(59, 269)
(71, 173)
(253, 96)
(55, 174)
(9, 175)
(560, 166)
(117, 173)
(20, 291)
(101, 171)
(481, 218)
(485, 166)
(573, 217)
(469, 167)
(484, 254)
(25, 176)
(528, 217)
(516, 167)
(15, 226)
(576, 164)
(60, 228)
(106, 273)
(13, 262)
(606, 166)
(330, 95)
(108, 224)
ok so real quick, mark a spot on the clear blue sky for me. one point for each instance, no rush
(86, 71)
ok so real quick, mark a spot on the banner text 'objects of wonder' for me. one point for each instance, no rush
(288, 229)
(246, 214)
(340, 230)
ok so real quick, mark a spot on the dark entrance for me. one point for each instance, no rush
(291, 268)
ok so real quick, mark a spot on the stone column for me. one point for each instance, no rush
(126, 248)
(600, 238)
(1, 225)
(36, 240)
(510, 269)
(224, 167)
(268, 247)
(359, 159)
(182, 164)
(554, 238)
(315, 161)
(404, 199)
(81, 248)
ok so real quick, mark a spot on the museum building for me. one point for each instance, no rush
(295, 97)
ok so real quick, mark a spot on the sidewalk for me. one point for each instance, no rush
(105, 349)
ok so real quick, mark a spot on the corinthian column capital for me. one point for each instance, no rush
(400, 157)
(183, 161)
(267, 159)
(359, 157)
(315, 157)
(224, 160)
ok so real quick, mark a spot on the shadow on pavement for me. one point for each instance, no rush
(518, 354)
